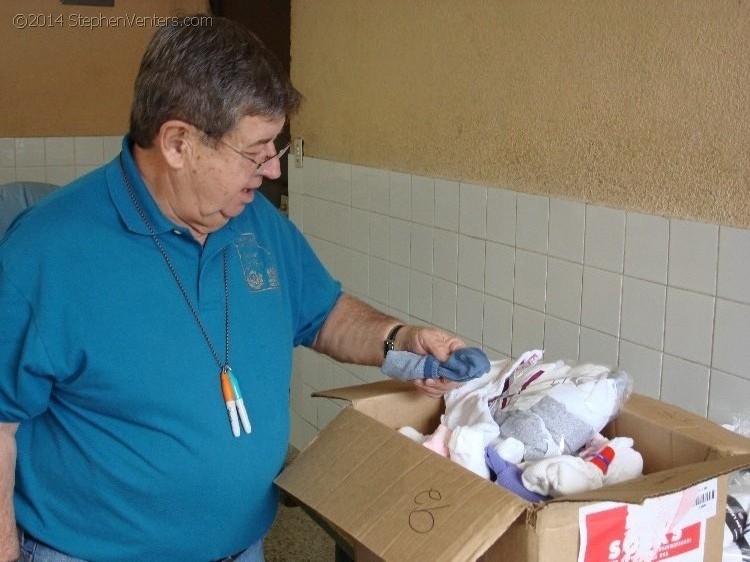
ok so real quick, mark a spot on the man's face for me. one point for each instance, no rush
(220, 182)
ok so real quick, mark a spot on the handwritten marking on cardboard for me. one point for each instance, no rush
(422, 517)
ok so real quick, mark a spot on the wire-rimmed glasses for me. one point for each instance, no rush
(281, 145)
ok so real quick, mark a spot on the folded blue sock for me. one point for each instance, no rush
(463, 364)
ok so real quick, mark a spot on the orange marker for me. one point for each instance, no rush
(230, 402)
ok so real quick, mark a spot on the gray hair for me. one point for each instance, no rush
(209, 72)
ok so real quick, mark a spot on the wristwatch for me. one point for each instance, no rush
(390, 339)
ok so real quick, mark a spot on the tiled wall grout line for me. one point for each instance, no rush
(666, 308)
(579, 319)
(513, 315)
(715, 309)
(622, 289)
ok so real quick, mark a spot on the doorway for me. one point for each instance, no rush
(271, 21)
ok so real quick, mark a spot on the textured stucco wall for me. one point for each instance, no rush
(637, 104)
(69, 70)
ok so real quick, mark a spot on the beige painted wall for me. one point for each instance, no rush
(637, 104)
(65, 72)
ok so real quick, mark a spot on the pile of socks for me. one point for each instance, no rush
(531, 427)
(556, 408)
(603, 462)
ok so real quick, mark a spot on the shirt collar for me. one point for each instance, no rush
(122, 169)
(124, 166)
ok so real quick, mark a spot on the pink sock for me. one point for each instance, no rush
(438, 441)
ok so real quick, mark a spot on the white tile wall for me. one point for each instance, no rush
(499, 270)
(734, 265)
(472, 210)
(731, 351)
(445, 255)
(528, 330)
(89, 151)
(444, 296)
(646, 247)
(564, 289)
(567, 221)
(689, 325)
(7, 153)
(380, 240)
(644, 365)
(60, 151)
(400, 195)
(30, 152)
(471, 262)
(685, 384)
(423, 200)
(470, 313)
(498, 325)
(343, 183)
(420, 296)
(446, 204)
(604, 238)
(501, 216)
(360, 186)
(561, 338)
(400, 241)
(666, 299)
(600, 304)
(530, 279)
(598, 347)
(422, 240)
(55, 160)
(693, 250)
(327, 180)
(532, 222)
(643, 309)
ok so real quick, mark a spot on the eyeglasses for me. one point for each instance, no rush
(281, 146)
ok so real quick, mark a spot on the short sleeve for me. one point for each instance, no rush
(317, 295)
(25, 370)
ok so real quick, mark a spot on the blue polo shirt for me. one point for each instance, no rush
(124, 446)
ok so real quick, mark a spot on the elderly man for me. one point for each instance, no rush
(149, 311)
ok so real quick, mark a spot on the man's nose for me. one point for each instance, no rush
(272, 168)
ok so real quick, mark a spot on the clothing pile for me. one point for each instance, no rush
(737, 520)
(534, 428)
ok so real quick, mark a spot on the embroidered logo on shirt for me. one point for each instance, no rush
(258, 264)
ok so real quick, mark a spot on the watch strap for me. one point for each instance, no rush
(390, 339)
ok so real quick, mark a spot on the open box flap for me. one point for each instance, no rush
(363, 391)
(681, 430)
(398, 499)
(661, 483)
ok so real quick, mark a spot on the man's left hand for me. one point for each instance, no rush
(436, 387)
(430, 341)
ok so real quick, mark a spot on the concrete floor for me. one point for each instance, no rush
(295, 537)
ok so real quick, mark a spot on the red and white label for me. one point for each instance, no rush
(671, 527)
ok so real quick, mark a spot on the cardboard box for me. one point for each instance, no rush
(393, 499)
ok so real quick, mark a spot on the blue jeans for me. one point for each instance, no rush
(34, 551)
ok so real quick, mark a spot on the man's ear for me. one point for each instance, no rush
(176, 142)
